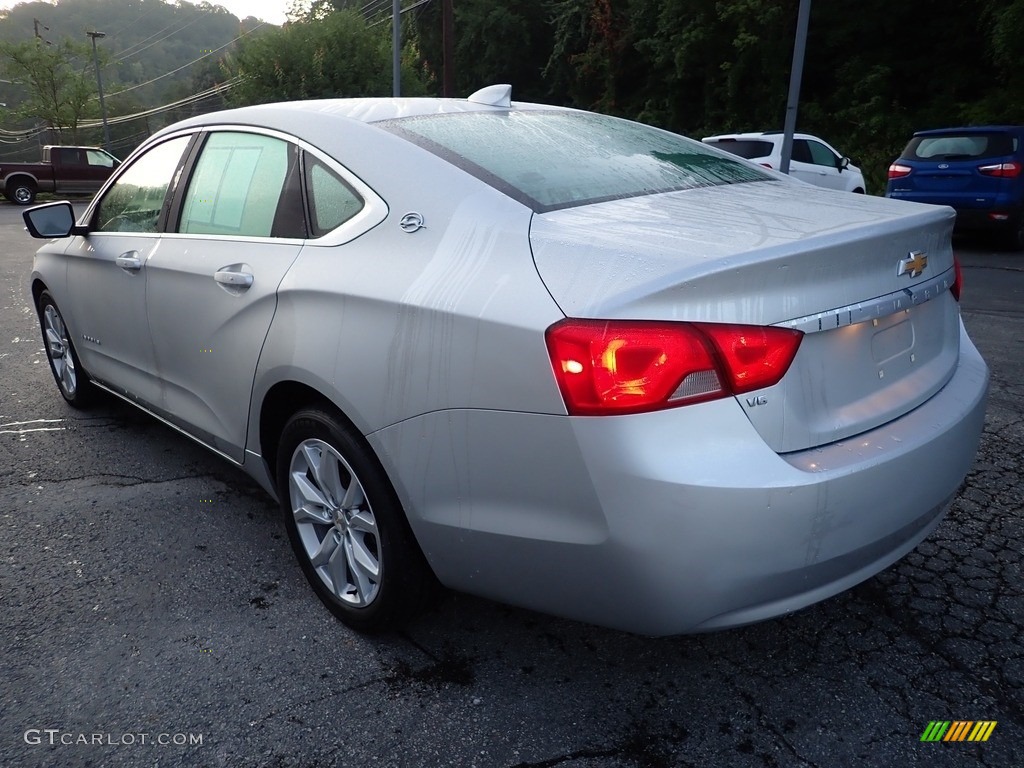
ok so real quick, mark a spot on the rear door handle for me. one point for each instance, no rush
(129, 261)
(235, 279)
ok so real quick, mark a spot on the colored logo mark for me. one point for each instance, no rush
(958, 730)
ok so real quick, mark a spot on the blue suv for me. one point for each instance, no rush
(978, 171)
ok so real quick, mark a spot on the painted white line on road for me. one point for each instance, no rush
(24, 431)
(31, 421)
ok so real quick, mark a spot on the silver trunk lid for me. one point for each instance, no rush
(882, 329)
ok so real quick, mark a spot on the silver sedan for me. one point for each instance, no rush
(545, 356)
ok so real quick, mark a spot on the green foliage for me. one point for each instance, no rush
(58, 80)
(337, 56)
(495, 42)
(875, 70)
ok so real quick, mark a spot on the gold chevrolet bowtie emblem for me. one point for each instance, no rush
(914, 265)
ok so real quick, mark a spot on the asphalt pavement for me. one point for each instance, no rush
(152, 614)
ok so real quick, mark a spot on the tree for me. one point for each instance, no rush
(59, 80)
(336, 56)
(494, 43)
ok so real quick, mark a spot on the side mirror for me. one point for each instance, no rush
(844, 163)
(52, 220)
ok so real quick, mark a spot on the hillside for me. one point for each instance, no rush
(153, 53)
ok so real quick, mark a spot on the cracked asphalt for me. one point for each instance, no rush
(152, 614)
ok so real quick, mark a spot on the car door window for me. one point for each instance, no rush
(101, 159)
(134, 202)
(822, 155)
(801, 151)
(244, 186)
(332, 201)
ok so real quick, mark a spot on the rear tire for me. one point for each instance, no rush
(72, 380)
(21, 192)
(347, 526)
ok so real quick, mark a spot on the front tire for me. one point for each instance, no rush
(346, 525)
(67, 371)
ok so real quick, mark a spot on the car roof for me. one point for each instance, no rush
(293, 116)
(971, 129)
(762, 135)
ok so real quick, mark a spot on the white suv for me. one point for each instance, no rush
(813, 160)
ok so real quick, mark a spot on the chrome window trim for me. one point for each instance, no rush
(374, 211)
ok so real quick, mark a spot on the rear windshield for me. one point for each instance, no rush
(748, 148)
(960, 146)
(550, 160)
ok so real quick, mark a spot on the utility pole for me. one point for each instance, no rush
(448, 46)
(795, 75)
(396, 48)
(99, 83)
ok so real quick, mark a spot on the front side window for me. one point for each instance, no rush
(238, 188)
(822, 155)
(558, 159)
(134, 202)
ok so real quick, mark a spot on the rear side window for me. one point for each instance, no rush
(550, 160)
(748, 148)
(97, 158)
(332, 202)
(240, 184)
(960, 146)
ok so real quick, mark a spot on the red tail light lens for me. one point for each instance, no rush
(958, 279)
(611, 367)
(1009, 170)
(897, 171)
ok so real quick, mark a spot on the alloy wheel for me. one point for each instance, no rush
(335, 523)
(58, 348)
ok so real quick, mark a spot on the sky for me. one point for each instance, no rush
(268, 10)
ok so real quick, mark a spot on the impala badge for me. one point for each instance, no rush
(411, 222)
(915, 264)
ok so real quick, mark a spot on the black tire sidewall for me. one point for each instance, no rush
(404, 575)
(14, 194)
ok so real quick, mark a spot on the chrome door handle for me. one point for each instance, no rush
(129, 260)
(236, 279)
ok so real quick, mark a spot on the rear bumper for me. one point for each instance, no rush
(678, 521)
(973, 214)
(976, 220)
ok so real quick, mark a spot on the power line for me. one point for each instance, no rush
(33, 133)
(194, 98)
(127, 53)
(185, 66)
(154, 7)
(403, 10)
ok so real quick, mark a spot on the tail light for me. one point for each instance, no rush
(606, 367)
(897, 171)
(958, 279)
(1009, 170)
